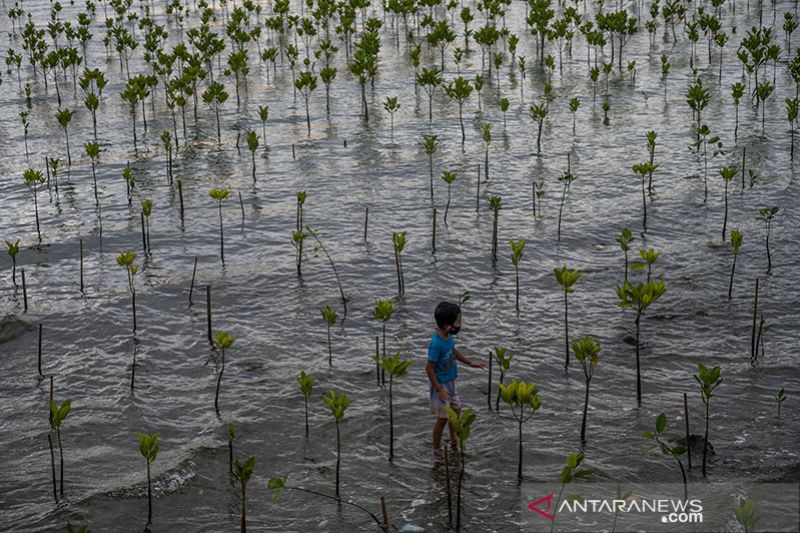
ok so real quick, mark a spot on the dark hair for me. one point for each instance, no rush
(446, 314)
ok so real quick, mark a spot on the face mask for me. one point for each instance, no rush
(454, 330)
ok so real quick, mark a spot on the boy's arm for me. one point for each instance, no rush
(430, 369)
(464, 359)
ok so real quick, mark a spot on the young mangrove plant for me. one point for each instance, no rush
(252, 145)
(148, 447)
(538, 113)
(242, 473)
(315, 234)
(306, 83)
(587, 352)
(147, 210)
(791, 116)
(780, 397)
(298, 237)
(642, 170)
(569, 473)
(746, 515)
(219, 195)
(567, 178)
(399, 244)
(396, 368)
(93, 153)
(430, 79)
(736, 244)
(624, 239)
(517, 249)
(125, 260)
(329, 315)
(766, 215)
(519, 396)
(494, 204)
(215, 95)
(503, 358)
(58, 413)
(639, 297)
(667, 448)
(461, 424)
(459, 90)
(391, 106)
(486, 131)
(384, 309)
(231, 437)
(34, 178)
(651, 150)
(574, 105)
(697, 97)
(64, 117)
(648, 259)
(430, 143)
(263, 115)
(727, 174)
(737, 91)
(708, 381)
(13, 250)
(567, 278)
(166, 141)
(338, 404)
(306, 384)
(449, 178)
(222, 341)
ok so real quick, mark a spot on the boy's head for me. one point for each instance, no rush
(448, 317)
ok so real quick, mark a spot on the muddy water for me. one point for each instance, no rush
(257, 296)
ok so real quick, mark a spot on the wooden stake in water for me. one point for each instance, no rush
(24, 293)
(81, 243)
(385, 523)
(433, 235)
(744, 153)
(53, 465)
(489, 389)
(144, 235)
(191, 287)
(366, 222)
(345, 143)
(449, 491)
(208, 313)
(686, 417)
(377, 358)
(478, 194)
(39, 360)
(241, 204)
(292, 150)
(180, 195)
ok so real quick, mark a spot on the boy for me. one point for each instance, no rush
(442, 369)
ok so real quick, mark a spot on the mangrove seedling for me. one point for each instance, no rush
(384, 309)
(222, 341)
(791, 116)
(148, 447)
(697, 97)
(567, 178)
(399, 243)
(23, 115)
(252, 145)
(574, 104)
(315, 234)
(242, 473)
(391, 106)
(675, 451)
(624, 239)
(306, 383)
(64, 116)
(649, 257)
(737, 91)
(338, 404)
(766, 215)
(219, 195)
(13, 250)
(567, 278)
(329, 315)
(780, 397)
(517, 249)
(460, 424)
(504, 103)
(486, 130)
(298, 236)
(147, 210)
(568, 474)
(130, 182)
(708, 380)
(231, 437)
(538, 191)
(166, 141)
(736, 243)
(746, 515)
(93, 152)
(215, 95)
(430, 79)
(494, 204)
(538, 113)
(459, 90)
(503, 358)
(651, 149)
(396, 368)
(430, 143)
(519, 396)
(642, 170)
(306, 83)
(763, 92)
(449, 178)
(34, 178)
(639, 297)
(125, 260)
(263, 114)
(587, 352)
(727, 174)
(58, 413)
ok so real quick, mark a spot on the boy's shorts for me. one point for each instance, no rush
(438, 406)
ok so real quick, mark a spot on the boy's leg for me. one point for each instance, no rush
(438, 429)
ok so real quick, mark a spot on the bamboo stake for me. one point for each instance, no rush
(81, 243)
(686, 417)
(191, 287)
(24, 292)
(208, 312)
(39, 364)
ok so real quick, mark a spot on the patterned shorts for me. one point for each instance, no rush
(438, 406)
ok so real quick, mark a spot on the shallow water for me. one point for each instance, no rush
(257, 296)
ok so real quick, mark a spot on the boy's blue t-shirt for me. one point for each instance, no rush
(442, 353)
